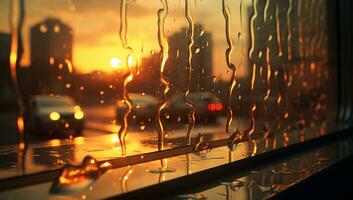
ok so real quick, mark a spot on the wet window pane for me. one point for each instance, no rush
(120, 78)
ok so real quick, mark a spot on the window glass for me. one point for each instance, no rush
(120, 78)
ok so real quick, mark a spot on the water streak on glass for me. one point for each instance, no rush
(191, 105)
(267, 5)
(230, 65)
(289, 29)
(125, 178)
(163, 44)
(127, 78)
(266, 129)
(16, 23)
(278, 32)
(254, 16)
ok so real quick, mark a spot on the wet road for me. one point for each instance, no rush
(99, 139)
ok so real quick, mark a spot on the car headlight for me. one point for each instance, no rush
(79, 115)
(54, 116)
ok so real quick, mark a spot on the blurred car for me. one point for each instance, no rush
(54, 114)
(143, 107)
(208, 107)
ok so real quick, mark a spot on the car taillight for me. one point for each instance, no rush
(215, 107)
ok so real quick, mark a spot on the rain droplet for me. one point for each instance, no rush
(202, 32)
(201, 143)
(214, 78)
(142, 126)
(197, 50)
(269, 37)
(192, 196)
(74, 178)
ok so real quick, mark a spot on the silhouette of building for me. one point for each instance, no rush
(51, 55)
(7, 95)
(176, 67)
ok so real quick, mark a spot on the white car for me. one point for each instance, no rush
(54, 114)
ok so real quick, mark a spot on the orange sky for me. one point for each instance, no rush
(96, 26)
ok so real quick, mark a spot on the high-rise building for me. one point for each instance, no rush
(51, 55)
(176, 68)
(7, 94)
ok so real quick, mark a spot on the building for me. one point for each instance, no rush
(51, 54)
(7, 94)
(176, 67)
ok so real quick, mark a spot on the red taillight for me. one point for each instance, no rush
(219, 106)
(215, 107)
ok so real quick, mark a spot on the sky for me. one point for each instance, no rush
(95, 26)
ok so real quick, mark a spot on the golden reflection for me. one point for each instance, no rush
(20, 124)
(115, 138)
(54, 143)
(125, 178)
(254, 150)
(51, 60)
(79, 140)
(69, 65)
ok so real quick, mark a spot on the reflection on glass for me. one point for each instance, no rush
(153, 76)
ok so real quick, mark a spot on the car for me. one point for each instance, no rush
(208, 107)
(54, 114)
(143, 108)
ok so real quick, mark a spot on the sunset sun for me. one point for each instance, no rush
(115, 62)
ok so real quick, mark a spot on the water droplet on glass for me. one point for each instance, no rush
(269, 37)
(74, 178)
(202, 32)
(167, 116)
(214, 79)
(235, 139)
(201, 144)
(235, 185)
(192, 196)
(142, 126)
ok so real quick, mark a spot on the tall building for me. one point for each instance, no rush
(7, 94)
(51, 55)
(176, 67)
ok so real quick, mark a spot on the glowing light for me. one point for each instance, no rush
(79, 115)
(43, 28)
(51, 60)
(54, 142)
(56, 28)
(115, 62)
(20, 124)
(55, 116)
(115, 139)
(130, 60)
